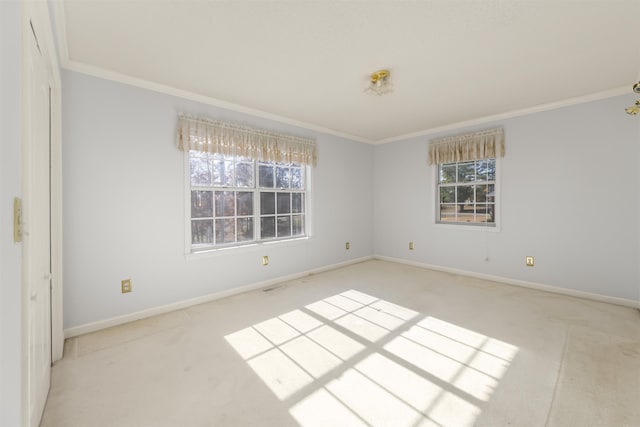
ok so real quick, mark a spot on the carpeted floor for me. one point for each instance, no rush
(375, 343)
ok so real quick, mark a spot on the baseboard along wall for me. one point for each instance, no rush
(119, 320)
(516, 282)
(154, 311)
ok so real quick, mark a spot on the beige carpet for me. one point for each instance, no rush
(376, 343)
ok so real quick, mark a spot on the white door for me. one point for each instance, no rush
(37, 239)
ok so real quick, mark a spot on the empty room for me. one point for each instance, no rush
(320, 213)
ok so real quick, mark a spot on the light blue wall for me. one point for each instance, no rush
(124, 213)
(10, 187)
(569, 190)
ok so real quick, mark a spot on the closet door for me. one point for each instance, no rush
(37, 216)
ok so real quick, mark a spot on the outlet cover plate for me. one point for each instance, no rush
(126, 286)
(529, 261)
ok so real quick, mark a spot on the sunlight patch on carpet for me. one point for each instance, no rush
(354, 359)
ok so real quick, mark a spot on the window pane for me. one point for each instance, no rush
(462, 200)
(283, 177)
(465, 193)
(201, 232)
(447, 212)
(466, 172)
(244, 174)
(481, 193)
(268, 227)
(284, 226)
(491, 193)
(465, 213)
(484, 212)
(245, 203)
(483, 218)
(266, 176)
(245, 229)
(225, 203)
(225, 231)
(222, 173)
(284, 203)
(447, 173)
(448, 194)
(482, 168)
(267, 203)
(297, 181)
(297, 225)
(485, 193)
(297, 203)
(230, 207)
(201, 204)
(491, 169)
(200, 169)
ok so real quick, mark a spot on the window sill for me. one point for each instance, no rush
(454, 226)
(253, 247)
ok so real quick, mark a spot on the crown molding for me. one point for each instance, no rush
(169, 90)
(511, 114)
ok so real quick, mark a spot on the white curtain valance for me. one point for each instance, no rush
(231, 139)
(469, 146)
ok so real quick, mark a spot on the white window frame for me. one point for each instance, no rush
(249, 245)
(469, 226)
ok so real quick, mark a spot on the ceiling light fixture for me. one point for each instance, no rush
(380, 83)
(634, 109)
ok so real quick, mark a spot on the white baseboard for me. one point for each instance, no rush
(516, 282)
(154, 311)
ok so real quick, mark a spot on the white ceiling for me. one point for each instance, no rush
(307, 62)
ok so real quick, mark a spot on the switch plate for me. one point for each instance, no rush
(410, 246)
(126, 286)
(346, 246)
(529, 261)
(265, 260)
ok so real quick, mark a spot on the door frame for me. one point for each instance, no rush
(37, 13)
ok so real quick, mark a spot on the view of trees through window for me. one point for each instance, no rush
(236, 200)
(466, 192)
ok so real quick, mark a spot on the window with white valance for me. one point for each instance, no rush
(467, 177)
(245, 186)
(211, 136)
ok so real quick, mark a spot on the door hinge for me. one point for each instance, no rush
(17, 220)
